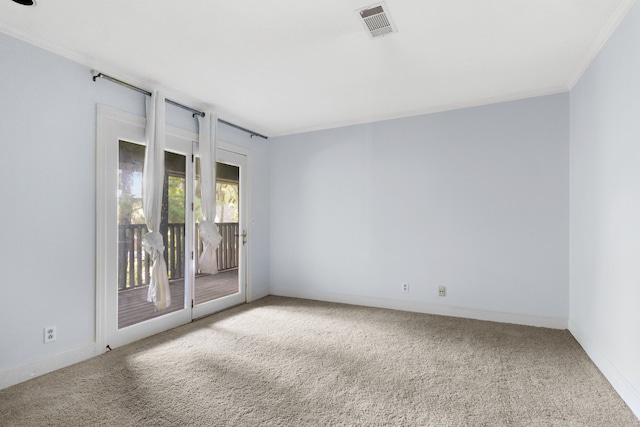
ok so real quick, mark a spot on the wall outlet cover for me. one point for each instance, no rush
(49, 334)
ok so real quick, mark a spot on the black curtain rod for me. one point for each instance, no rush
(168, 101)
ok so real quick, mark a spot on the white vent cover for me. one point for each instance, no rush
(377, 20)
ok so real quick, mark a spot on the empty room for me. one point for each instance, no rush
(416, 213)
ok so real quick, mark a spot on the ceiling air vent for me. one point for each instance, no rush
(377, 20)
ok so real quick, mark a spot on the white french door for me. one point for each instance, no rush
(123, 312)
(213, 293)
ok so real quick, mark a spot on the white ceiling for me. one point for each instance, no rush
(286, 66)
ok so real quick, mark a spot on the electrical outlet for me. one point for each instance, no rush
(442, 291)
(49, 334)
(405, 287)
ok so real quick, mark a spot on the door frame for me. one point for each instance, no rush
(113, 124)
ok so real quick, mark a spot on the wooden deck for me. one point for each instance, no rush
(133, 306)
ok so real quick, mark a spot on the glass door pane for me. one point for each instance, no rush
(134, 264)
(209, 287)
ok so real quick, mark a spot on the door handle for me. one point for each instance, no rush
(244, 237)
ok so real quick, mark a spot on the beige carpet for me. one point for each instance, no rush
(292, 362)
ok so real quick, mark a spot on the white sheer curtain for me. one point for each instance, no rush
(208, 230)
(152, 190)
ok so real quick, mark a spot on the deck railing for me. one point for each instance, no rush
(134, 264)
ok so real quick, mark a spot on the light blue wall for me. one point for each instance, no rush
(605, 210)
(48, 182)
(475, 200)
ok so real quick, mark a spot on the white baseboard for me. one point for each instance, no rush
(618, 381)
(420, 307)
(256, 295)
(23, 373)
